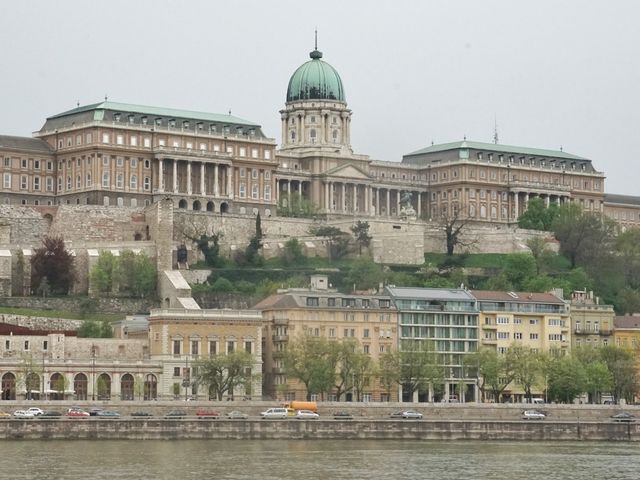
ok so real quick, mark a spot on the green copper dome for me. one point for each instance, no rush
(315, 79)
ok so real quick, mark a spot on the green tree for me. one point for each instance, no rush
(519, 268)
(293, 253)
(493, 371)
(95, 329)
(566, 379)
(222, 373)
(627, 245)
(338, 240)
(294, 205)
(621, 363)
(583, 236)
(360, 232)
(363, 371)
(222, 285)
(527, 367)
(364, 274)
(388, 371)
(145, 278)
(420, 366)
(54, 262)
(538, 216)
(312, 360)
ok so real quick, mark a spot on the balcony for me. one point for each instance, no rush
(277, 370)
(592, 331)
(489, 341)
(490, 326)
(280, 338)
(539, 186)
(281, 321)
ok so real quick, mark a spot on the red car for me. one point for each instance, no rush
(77, 413)
(204, 413)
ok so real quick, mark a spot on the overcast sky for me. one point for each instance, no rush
(553, 73)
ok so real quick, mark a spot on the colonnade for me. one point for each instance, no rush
(211, 179)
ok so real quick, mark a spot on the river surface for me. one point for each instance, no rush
(320, 459)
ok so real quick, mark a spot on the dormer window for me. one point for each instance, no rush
(144, 120)
(200, 125)
(213, 128)
(158, 121)
(172, 123)
(479, 155)
(116, 117)
(185, 124)
(131, 118)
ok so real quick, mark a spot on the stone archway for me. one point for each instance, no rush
(211, 207)
(224, 207)
(103, 384)
(197, 205)
(150, 387)
(126, 387)
(32, 384)
(80, 386)
(182, 204)
(56, 387)
(8, 386)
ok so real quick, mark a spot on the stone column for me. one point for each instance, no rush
(547, 200)
(284, 129)
(202, 183)
(189, 182)
(526, 201)
(419, 209)
(377, 209)
(216, 188)
(331, 187)
(229, 181)
(355, 197)
(516, 207)
(160, 175)
(344, 197)
(388, 203)
(398, 202)
(326, 196)
(175, 176)
(367, 207)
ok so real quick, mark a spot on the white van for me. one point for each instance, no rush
(275, 412)
(537, 401)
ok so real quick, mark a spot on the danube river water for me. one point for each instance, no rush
(320, 459)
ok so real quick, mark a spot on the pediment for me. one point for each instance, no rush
(347, 171)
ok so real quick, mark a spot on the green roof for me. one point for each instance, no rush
(494, 147)
(315, 79)
(157, 111)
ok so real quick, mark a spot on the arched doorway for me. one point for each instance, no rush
(8, 386)
(32, 384)
(224, 207)
(56, 387)
(80, 384)
(210, 207)
(126, 387)
(150, 387)
(104, 387)
(197, 205)
(182, 203)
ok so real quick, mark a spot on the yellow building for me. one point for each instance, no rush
(626, 331)
(591, 322)
(539, 321)
(318, 311)
(179, 337)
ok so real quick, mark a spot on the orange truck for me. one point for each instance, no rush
(313, 406)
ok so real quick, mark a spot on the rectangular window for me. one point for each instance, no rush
(243, 152)
(503, 335)
(313, 301)
(120, 162)
(365, 348)
(248, 347)
(267, 192)
(533, 336)
(24, 163)
(176, 347)
(213, 347)
(243, 172)
(105, 160)
(7, 162)
(7, 180)
(147, 183)
(533, 321)
(26, 344)
(365, 333)
(332, 332)
(23, 182)
(176, 371)
(195, 344)
(267, 154)
(120, 139)
(231, 345)
(254, 191)
(517, 336)
(105, 138)
(254, 153)
(45, 345)
(134, 141)
(502, 320)
(36, 183)
(36, 164)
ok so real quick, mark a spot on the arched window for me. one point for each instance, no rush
(133, 182)
(126, 387)
(103, 385)
(150, 387)
(8, 386)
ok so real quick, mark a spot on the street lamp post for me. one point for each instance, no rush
(93, 372)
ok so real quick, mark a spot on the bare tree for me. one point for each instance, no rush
(454, 225)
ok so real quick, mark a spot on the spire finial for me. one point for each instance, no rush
(316, 54)
(495, 129)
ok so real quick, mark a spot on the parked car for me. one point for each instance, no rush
(23, 414)
(407, 414)
(50, 414)
(204, 413)
(237, 415)
(623, 417)
(4, 415)
(107, 414)
(176, 414)
(36, 411)
(307, 415)
(141, 414)
(533, 415)
(73, 413)
(342, 415)
(275, 413)
(95, 411)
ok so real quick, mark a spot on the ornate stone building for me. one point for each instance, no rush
(119, 154)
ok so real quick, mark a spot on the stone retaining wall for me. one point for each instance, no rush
(125, 306)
